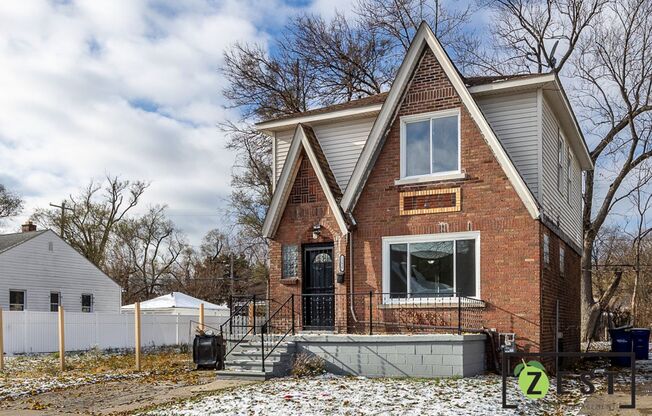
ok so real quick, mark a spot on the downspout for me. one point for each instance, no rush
(349, 238)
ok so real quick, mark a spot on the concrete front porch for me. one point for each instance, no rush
(387, 355)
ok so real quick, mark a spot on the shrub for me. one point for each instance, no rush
(306, 365)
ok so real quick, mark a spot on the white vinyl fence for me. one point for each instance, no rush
(36, 332)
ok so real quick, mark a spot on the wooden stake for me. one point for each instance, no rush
(201, 316)
(2, 344)
(137, 334)
(62, 343)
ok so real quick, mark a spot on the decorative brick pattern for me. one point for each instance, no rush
(430, 201)
(305, 187)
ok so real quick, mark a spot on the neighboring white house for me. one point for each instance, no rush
(40, 271)
(177, 303)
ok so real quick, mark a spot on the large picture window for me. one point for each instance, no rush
(430, 144)
(431, 266)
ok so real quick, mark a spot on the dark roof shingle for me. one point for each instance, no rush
(9, 241)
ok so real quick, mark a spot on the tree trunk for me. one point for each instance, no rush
(633, 305)
(589, 307)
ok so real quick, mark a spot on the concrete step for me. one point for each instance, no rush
(256, 355)
(234, 374)
(277, 367)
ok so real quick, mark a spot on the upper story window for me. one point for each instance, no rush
(560, 162)
(16, 300)
(569, 173)
(430, 144)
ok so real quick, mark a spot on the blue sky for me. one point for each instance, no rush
(126, 87)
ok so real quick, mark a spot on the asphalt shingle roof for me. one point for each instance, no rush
(9, 241)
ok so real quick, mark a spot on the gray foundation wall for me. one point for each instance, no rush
(434, 355)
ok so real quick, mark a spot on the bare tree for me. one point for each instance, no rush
(534, 35)
(397, 21)
(153, 246)
(614, 67)
(93, 215)
(10, 203)
(348, 60)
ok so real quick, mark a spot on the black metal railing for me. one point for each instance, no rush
(356, 313)
(280, 324)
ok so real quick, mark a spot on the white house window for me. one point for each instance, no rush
(16, 300)
(55, 301)
(562, 261)
(569, 172)
(546, 250)
(290, 254)
(87, 302)
(431, 266)
(560, 162)
(430, 144)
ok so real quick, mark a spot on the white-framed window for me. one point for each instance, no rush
(546, 250)
(17, 300)
(569, 173)
(87, 302)
(55, 301)
(560, 162)
(290, 260)
(562, 261)
(431, 266)
(430, 144)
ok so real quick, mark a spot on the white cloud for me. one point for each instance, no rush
(123, 87)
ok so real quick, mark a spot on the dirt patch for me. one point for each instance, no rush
(114, 397)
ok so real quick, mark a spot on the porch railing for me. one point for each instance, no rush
(358, 313)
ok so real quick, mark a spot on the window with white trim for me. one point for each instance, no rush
(569, 172)
(560, 162)
(16, 300)
(430, 144)
(87, 302)
(55, 301)
(431, 266)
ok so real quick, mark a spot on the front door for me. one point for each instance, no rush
(318, 298)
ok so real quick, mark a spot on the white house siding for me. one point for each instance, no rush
(514, 119)
(32, 267)
(556, 205)
(282, 142)
(341, 141)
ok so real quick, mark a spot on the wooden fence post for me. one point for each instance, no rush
(62, 342)
(201, 316)
(137, 333)
(2, 344)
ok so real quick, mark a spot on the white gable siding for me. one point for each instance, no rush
(556, 205)
(342, 144)
(341, 141)
(282, 146)
(32, 267)
(514, 119)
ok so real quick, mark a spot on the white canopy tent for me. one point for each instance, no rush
(177, 303)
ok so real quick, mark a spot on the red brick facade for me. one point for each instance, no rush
(519, 292)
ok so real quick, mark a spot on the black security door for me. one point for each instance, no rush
(318, 288)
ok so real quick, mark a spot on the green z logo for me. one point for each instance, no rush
(532, 379)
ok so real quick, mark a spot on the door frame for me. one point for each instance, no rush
(305, 248)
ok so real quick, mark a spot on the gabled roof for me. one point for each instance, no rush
(9, 241)
(424, 38)
(304, 138)
(175, 300)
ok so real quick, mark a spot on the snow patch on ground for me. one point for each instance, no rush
(480, 395)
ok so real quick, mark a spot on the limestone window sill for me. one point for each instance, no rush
(416, 180)
(428, 303)
(290, 281)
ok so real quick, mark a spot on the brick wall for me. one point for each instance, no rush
(563, 287)
(509, 240)
(307, 206)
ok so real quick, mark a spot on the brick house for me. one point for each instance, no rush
(445, 192)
